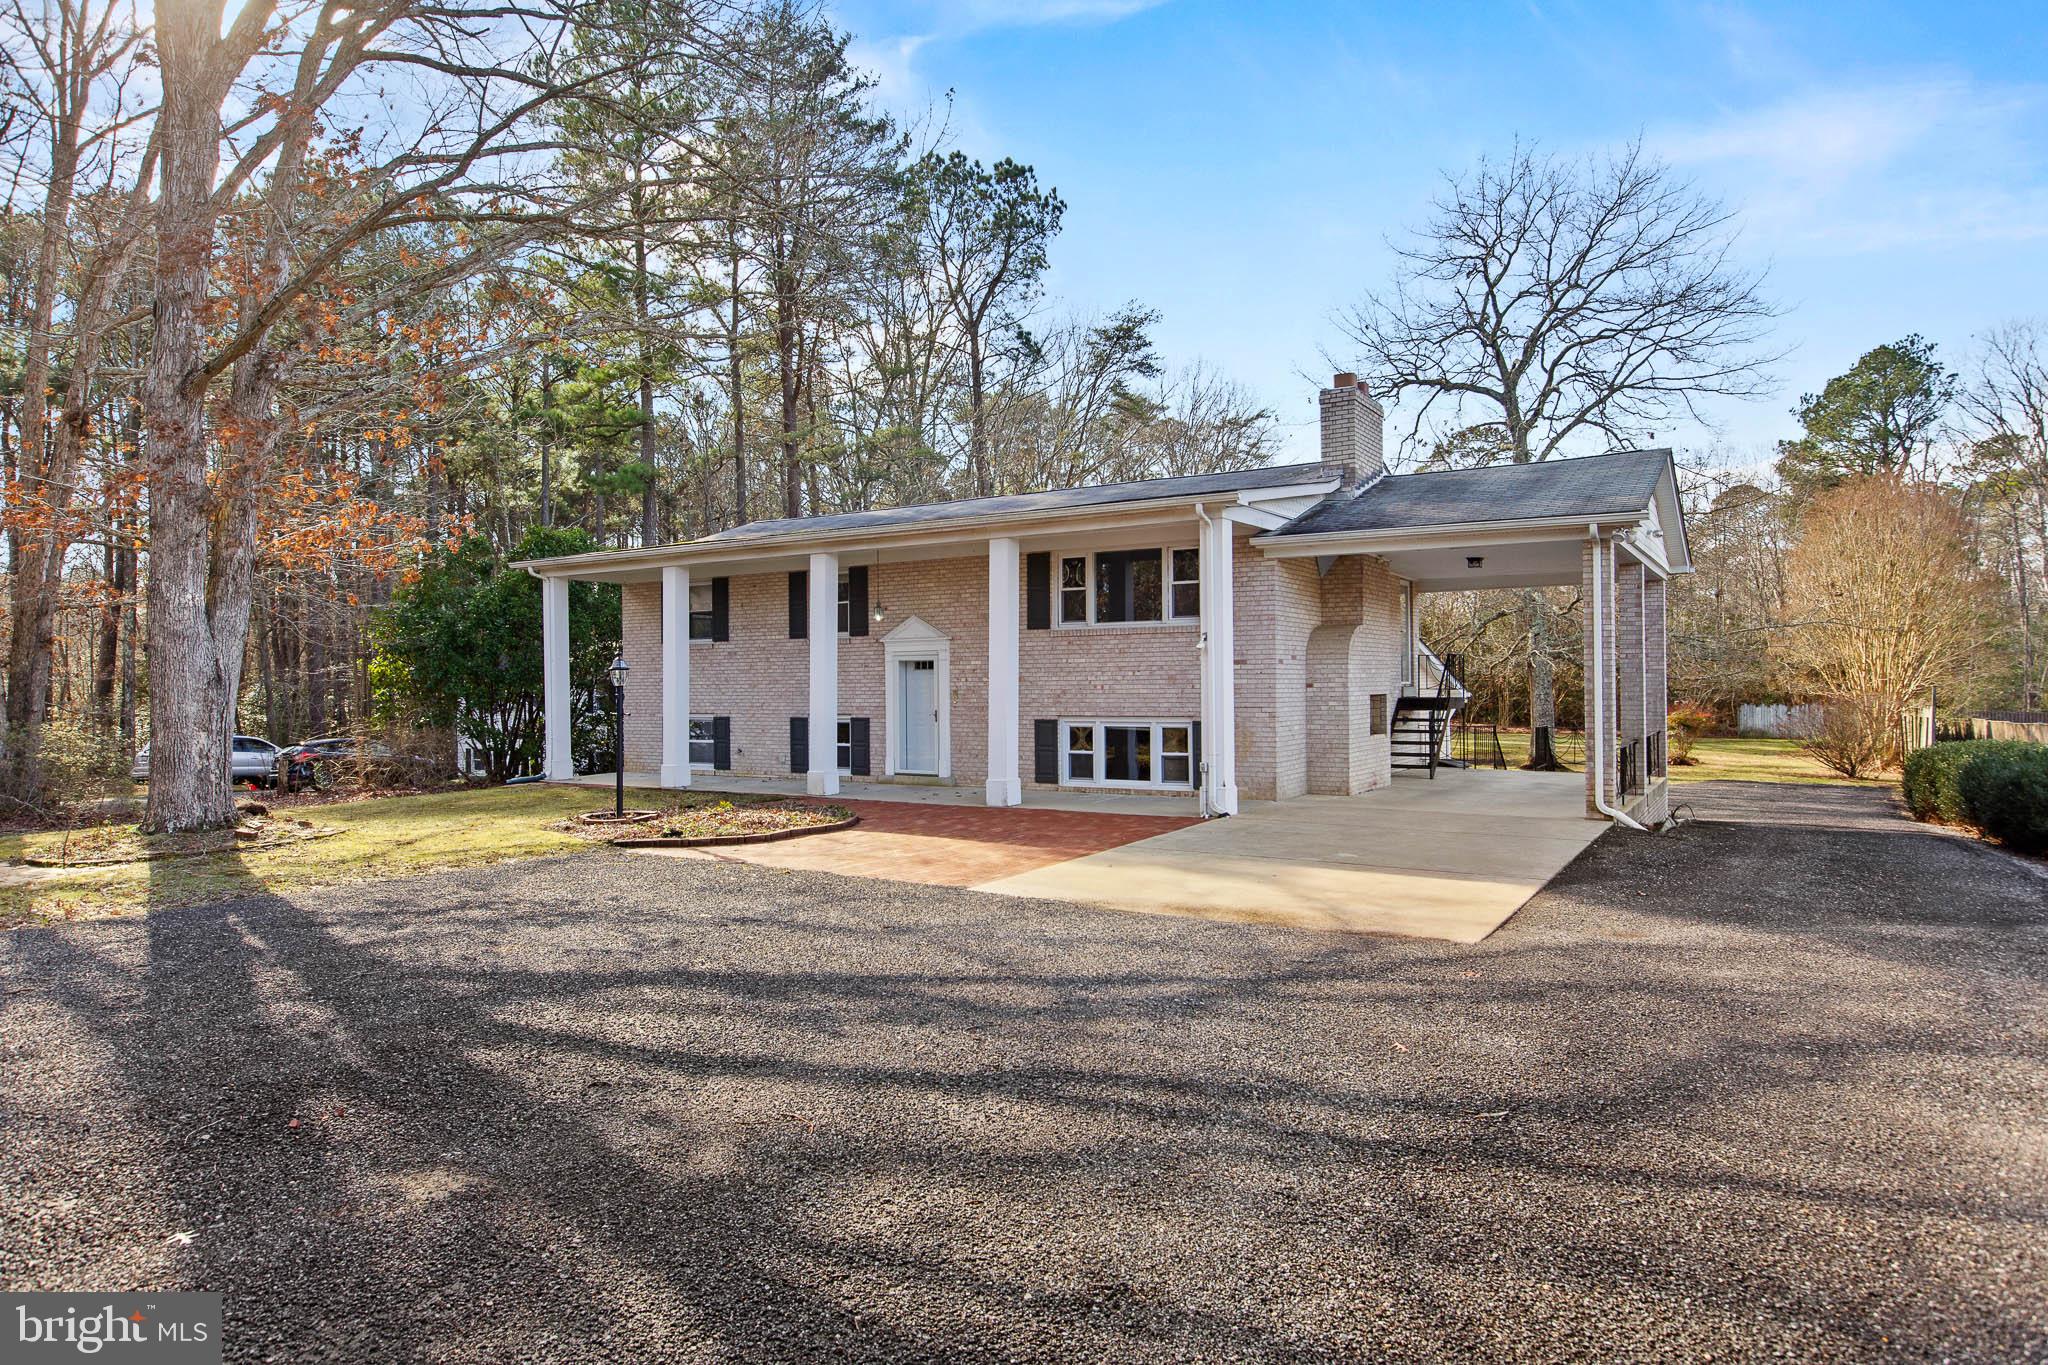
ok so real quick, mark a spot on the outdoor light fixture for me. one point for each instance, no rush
(1475, 561)
(618, 672)
(878, 588)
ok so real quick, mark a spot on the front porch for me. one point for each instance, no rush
(919, 794)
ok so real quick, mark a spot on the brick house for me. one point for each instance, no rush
(1239, 636)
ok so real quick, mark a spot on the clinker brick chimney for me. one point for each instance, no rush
(1353, 424)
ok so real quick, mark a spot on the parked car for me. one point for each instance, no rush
(316, 762)
(254, 760)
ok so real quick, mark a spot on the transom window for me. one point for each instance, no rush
(700, 617)
(1127, 753)
(1126, 586)
(703, 753)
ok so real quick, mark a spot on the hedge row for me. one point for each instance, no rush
(1998, 785)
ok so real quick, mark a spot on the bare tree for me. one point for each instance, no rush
(69, 64)
(987, 231)
(468, 163)
(1885, 599)
(1565, 302)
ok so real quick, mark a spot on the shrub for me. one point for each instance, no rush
(1850, 735)
(1687, 722)
(68, 770)
(2004, 792)
(1931, 777)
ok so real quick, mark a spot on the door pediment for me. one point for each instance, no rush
(914, 630)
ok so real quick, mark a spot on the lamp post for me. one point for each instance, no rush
(618, 672)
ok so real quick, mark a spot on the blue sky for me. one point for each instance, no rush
(1239, 166)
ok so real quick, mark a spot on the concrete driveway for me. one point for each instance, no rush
(1448, 858)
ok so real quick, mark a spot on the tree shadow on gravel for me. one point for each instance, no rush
(631, 1113)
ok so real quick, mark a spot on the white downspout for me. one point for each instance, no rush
(1596, 697)
(1202, 684)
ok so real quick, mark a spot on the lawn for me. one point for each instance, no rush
(385, 837)
(394, 836)
(1728, 760)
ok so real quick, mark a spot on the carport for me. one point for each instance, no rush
(1450, 858)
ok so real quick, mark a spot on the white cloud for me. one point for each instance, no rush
(1937, 158)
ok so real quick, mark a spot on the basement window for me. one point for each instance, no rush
(1128, 753)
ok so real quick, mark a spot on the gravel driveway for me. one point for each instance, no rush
(1770, 1086)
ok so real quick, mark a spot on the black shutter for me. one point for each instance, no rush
(799, 603)
(1045, 752)
(721, 743)
(857, 600)
(1038, 590)
(1195, 755)
(721, 609)
(799, 744)
(857, 728)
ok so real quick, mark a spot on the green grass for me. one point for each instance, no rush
(386, 837)
(1731, 760)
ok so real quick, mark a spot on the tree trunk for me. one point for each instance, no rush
(785, 364)
(650, 528)
(977, 419)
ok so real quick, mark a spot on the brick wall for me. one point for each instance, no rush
(1354, 654)
(1279, 605)
(1376, 661)
(758, 678)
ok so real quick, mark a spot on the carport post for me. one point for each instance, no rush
(822, 779)
(1005, 784)
(675, 676)
(557, 764)
(1219, 663)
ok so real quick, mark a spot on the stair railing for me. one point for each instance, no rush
(1439, 713)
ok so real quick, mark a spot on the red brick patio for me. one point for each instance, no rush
(948, 845)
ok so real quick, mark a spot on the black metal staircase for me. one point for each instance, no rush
(1422, 722)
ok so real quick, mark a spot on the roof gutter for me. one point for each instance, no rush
(1377, 535)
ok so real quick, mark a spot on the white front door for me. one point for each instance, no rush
(917, 745)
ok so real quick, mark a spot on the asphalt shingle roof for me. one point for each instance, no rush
(1141, 490)
(1592, 485)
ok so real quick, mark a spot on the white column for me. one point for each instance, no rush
(823, 777)
(675, 676)
(558, 765)
(1005, 786)
(1219, 659)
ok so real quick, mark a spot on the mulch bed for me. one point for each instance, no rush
(712, 821)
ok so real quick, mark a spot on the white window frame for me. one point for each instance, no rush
(844, 614)
(1166, 581)
(1097, 724)
(710, 737)
(844, 726)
